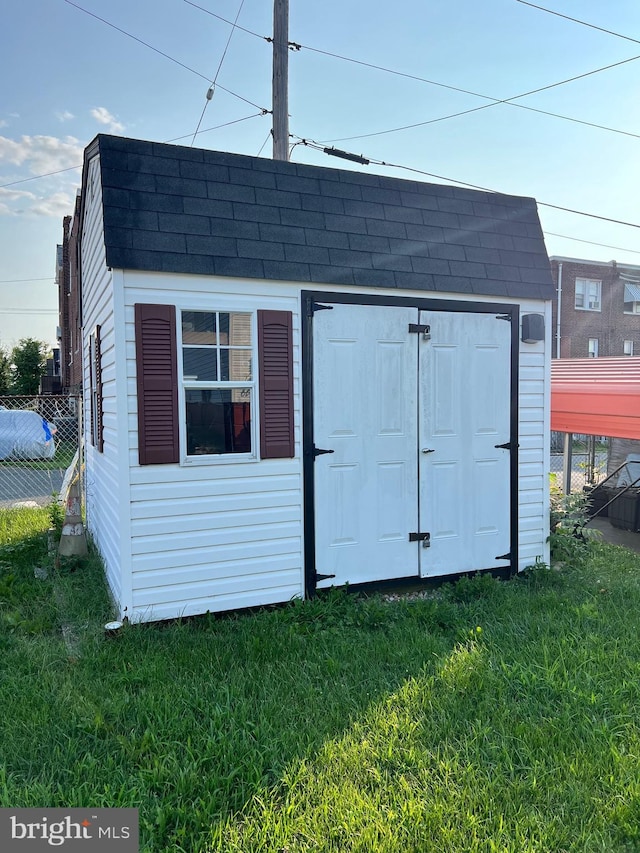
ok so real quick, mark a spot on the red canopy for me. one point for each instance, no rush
(596, 396)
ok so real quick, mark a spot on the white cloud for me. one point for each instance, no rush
(64, 116)
(103, 116)
(41, 153)
(3, 123)
(7, 194)
(58, 204)
(10, 200)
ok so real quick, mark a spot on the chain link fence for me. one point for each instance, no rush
(588, 460)
(39, 437)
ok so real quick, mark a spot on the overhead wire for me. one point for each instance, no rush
(17, 280)
(578, 21)
(494, 101)
(508, 101)
(592, 242)
(212, 88)
(319, 146)
(162, 53)
(174, 139)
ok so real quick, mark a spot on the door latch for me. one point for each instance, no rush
(425, 538)
(420, 328)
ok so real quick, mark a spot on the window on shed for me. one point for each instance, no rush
(588, 294)
(216, 362)
(218, 381)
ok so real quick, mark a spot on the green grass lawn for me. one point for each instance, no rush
(495, 716)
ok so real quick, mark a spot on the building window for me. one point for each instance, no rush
(218, 382)
(631, 298)
(628, 348)
(593, 348)
(588, 293)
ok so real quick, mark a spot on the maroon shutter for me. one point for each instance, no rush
(157, 371)
(99, 440)
(92, 396)
(275, 356)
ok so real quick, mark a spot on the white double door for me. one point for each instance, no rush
(413, 426)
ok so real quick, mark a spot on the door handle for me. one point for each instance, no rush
(428, 450)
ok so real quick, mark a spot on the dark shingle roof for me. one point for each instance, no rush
(168, 208)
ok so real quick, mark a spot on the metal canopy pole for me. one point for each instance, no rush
(567, 462)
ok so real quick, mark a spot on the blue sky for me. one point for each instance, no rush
(67, 76)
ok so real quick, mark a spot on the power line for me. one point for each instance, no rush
(161, 53)
(17, 280)
(218, 126)
(44, 175)
(578, 21)
(212, 88)
(495, 102)
(592, 243)
(29, 311)
(318, 146)
(174, 139)
(227, 21)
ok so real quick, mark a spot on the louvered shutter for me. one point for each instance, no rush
(99, 439)
(157, 372)
(275, 357)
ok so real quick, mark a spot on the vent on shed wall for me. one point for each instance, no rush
(95, 386)
(156, 356)
(275, 353)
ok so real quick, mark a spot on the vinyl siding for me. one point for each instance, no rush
(104, 475)
(223, 534)
(534, 440)
(214, 534)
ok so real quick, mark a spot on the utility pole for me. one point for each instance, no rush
(280, 80)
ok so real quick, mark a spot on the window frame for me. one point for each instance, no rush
(624, 348)
(596, 348)
(586, 283)
(184, 385)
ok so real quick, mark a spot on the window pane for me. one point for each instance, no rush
(224, 329)
(239, 329)
(218, 421)
(235, 365)
(198, 327)
(199, 364)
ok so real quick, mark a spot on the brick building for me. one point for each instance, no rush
(599, 308)
(69, 306)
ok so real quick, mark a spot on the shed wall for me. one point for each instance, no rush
(105, 475)
(218, 534)
(224, 534)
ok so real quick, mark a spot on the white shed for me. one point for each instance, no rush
(301, 377)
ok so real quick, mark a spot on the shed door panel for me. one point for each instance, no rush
(464, 412)
(365, 390)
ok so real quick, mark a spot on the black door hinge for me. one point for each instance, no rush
(506, 317)
(506, 446)
(319, 578)
(317, 306)
(318, 451)
(425, 538)
(506, 556)
(420, 329)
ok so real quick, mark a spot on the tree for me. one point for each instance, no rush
(28, 364)
(5, 372)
